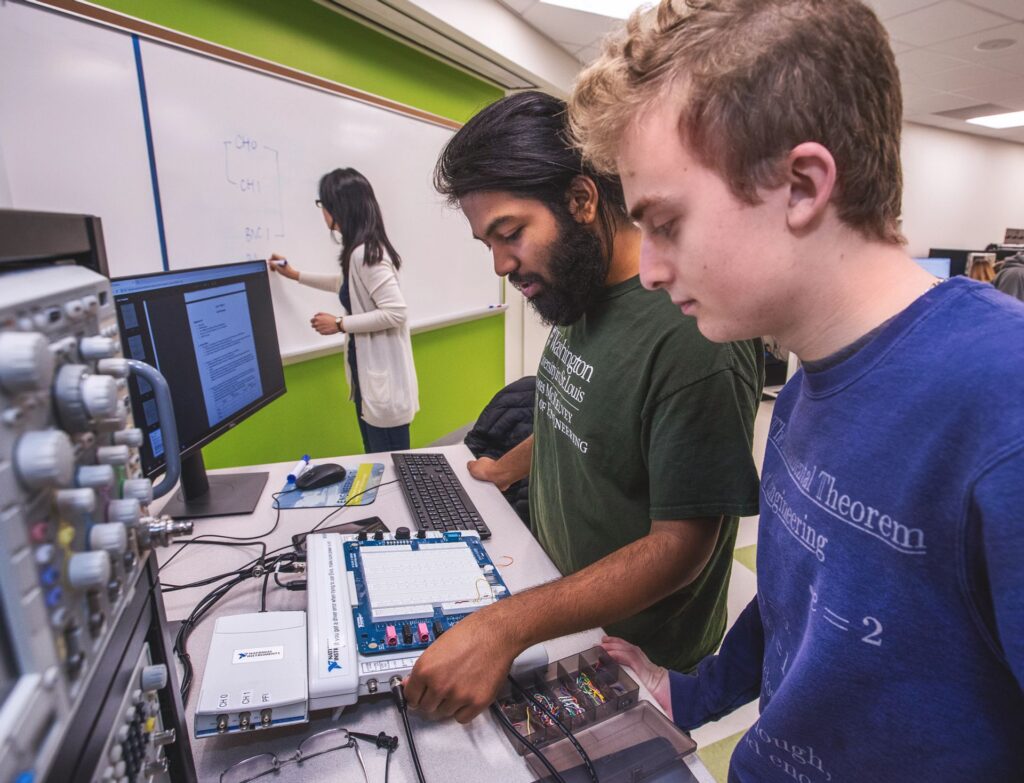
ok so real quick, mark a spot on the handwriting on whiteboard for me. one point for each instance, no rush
(252, 177)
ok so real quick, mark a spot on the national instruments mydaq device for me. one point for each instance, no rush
(255, 674)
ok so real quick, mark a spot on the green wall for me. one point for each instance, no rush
(459, 367)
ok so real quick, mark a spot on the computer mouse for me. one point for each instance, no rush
(320, 476)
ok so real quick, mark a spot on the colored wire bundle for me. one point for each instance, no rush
(562, 727)
(588, 688)
(569, 702)
(543, 708)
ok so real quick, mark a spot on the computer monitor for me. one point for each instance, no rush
(936, 266)
(211, 333)
(957, 258)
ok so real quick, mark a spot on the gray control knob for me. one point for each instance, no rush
(74, 309)
(44, 458)
(94, 476)
(129, 437)
(117, 367)
(26, 363)
(67, 392)
(126, 511)
(99, 394)
(110, 537)
(88, 570)
(140, 489)
(92, 348)
(154, 678)
(113, 455)
(76, 503)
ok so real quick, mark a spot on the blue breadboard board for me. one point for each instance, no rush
(372, 636)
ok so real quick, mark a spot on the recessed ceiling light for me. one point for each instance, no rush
(995, 44)
(616, 9)
(1013, 119)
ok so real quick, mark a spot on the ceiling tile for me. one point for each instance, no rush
(1011, 8)
(574, 27)
(935, 101)
(940, 22)
(921, 63)
(899, 46)
(965, 78)
(889, 8)
(1008, 93)
(1012, 61)
(964, 47)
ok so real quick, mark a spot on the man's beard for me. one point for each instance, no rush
(577, 270)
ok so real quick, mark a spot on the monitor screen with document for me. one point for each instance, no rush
(211, 332)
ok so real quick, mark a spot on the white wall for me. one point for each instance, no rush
(959, 191)
(510, 39)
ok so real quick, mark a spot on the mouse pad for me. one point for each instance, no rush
(363, 480)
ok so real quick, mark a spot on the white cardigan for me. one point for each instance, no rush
(378, 324)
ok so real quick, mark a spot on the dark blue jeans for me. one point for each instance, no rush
(379, 438)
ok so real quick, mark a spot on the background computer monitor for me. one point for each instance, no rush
(936, 266)
(210, 331)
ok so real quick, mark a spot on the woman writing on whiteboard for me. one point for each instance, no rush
(380, 369)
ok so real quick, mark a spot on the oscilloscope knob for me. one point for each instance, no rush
(113, 455)
(110, 537)
(99, 394)
(154, 677)
(88, 570)
(140, 489)
(119, 368)
(94, 476)
(95, 347)
(44, 458)
(76, 503)
(129, 437)
(125, 511)
(26, 363)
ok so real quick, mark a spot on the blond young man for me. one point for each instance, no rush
(758, 146)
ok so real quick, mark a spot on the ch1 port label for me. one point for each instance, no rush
(258, 654)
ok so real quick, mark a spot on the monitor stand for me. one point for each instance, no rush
(220, 495)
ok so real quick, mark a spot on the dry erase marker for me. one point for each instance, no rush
(281, 262)
(300, 467)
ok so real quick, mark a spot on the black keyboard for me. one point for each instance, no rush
(435, 494)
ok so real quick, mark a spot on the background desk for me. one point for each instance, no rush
(448, 751)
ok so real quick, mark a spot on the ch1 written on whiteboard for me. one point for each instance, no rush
(253, 172)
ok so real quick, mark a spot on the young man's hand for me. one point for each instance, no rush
(654, 678)
(460, 674)
(487, 469)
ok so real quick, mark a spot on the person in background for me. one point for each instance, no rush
(380, 369)
(982, 270)
(758, 144)
(1010, 279)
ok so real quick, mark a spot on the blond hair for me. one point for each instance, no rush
(982, 269)
(753, 79)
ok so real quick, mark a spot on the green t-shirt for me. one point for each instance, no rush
(640, 417)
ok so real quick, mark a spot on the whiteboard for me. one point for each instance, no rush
(71, 131)
(238, 154)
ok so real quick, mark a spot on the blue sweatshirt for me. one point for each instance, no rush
(886, 641)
